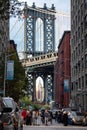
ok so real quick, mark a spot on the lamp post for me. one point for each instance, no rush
(4, 76)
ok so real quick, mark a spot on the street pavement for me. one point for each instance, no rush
(60, 127)
(54, 126)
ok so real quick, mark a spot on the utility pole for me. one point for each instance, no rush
(4, 76)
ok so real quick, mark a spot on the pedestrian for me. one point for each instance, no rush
(23, 114)
(56, 116)
(65, 118)
(46, 114)
(51, 117)
(33, 117)
(59, 116)
(37, 118)
(42, 116)
(29, 118)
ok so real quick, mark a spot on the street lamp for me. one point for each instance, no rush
(4, 75)
(5, 69)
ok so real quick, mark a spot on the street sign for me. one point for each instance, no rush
(1, 92)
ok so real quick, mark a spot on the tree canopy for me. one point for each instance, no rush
(10, 8)
(15, 87)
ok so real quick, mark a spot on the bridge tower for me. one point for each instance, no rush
(47, 15)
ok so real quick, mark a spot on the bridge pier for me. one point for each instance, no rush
(47, 85)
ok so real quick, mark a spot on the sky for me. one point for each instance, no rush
(63, 6)
(60, 5)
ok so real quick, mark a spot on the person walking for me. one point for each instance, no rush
(65, 118)
(37, 118)
(24, 114)
(33, 117)
(42, 116)
(29, 118)
(46, 114)
(56, 116)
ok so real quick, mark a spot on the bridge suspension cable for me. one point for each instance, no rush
(14, 25)
(63, 14)
(18, 30)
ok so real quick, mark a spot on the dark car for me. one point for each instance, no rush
(10, 117)
(3, 114)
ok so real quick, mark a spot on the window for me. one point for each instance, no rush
(82, 82)
(79, 66)
(86, 41)
(81, 28)
(79, 83)
(76, 53)
(85, 4)
(82, 10)
(79, 49)
(79, 32)
(85, 21)
(82, 63)
(78, 15)
(77, 86)
(9, 102)
(86, 80)
(82, 45)
(76, 69)
(86, 61)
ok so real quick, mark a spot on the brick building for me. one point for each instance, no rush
(13, 46)
(62, 72)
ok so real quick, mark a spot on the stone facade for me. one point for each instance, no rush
(79, 54)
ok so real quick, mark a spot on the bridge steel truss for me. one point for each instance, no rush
(46, 72)
(42, 66)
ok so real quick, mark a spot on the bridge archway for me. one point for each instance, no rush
(39, 89)
(39, 36)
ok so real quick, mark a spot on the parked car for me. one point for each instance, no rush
(4, 115)
(85, 120)
(10, 117)
(76, 117)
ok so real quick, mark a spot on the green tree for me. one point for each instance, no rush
(15, 87)
(10, 8)
(4, 9)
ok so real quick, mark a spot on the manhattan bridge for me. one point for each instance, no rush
(39, 45)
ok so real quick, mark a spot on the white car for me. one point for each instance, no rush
(76, 117)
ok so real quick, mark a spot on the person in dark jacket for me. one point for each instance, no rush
(29, 118)
(65, 118)
(43, 116)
